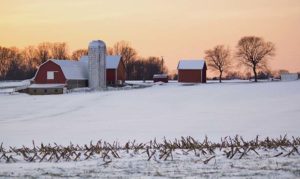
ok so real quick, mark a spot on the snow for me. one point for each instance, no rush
(46, 86)
(160, 76)
(132, 165)
(191, 65)
(7, 87)
(73, 69)
(112, 62)
(12, 84)
(164, 110)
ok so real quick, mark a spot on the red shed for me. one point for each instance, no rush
(192, 71)
(160, 78)
(115, 70)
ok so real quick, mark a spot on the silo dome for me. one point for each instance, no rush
(97, 43)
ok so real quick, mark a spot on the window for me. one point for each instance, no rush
(45, 90)
(50, 75)
(56, 91)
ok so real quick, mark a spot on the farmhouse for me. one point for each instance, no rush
(192, 71)
(54, 75)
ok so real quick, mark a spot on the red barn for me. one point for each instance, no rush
(192, 71)
(73, 74)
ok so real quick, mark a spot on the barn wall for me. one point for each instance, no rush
(45, 91)
(110, 76)
(189, 76)
(41, 75)
(165, 80)
(77, 83)
(121, 73)
(204, 74)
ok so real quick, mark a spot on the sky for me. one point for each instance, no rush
(174, 29)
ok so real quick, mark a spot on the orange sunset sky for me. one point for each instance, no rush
(174, 29)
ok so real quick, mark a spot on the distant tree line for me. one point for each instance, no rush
(252, 54)
(137, 67)
(20, 64)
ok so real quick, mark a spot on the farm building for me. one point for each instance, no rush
(54, 75)
(192, 71)
(289, 76)
(115, 69)
(160, 78)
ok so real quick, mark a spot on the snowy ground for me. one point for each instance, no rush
(171, 110)
(183, 166)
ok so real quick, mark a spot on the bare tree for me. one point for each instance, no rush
(254, 52)
(5, 60)
(110, 51)
(44, 51)
(128, 53)
(79, 53)
(219, 59)
(60, 51)
(30, 58)
(124, 49)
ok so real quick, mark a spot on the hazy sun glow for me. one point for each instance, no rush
(174, 29)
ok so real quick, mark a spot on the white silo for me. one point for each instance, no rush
(97, 70)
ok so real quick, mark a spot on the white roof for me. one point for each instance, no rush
(191, 65)
(78, 70)
(160, 76)
(112, 62)
(73, 69)
(46, 86)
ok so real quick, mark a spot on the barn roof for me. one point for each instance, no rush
(191, 65)
(73, 69)
(78, 70)
(112, 62)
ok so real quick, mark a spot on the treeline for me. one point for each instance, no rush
(20, 64)
(137, 67)
(251, 54)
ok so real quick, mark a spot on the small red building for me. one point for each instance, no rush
(160, 78)
(192, 71)
(115, 70)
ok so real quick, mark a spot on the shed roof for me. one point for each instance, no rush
(191, 64)
(112, 62)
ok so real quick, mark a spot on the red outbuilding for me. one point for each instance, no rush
(192, 71)
(160, 78)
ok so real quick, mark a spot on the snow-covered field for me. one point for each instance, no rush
(170, 110)
(183, 166)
